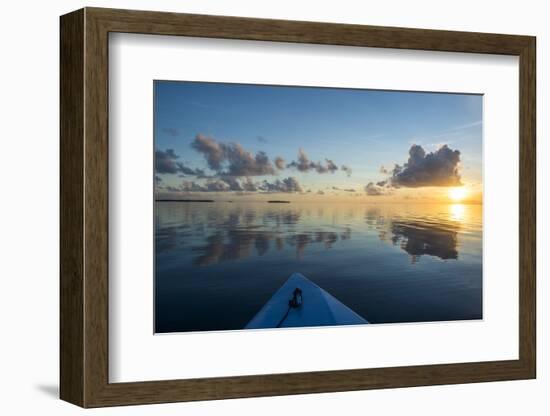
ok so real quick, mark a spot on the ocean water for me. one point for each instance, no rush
(216, 264)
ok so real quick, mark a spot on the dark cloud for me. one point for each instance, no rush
(230, 183)
(331, 167)
(279, 163)
(239, 185)
(214, 185)
(303, 164)
(211, 149)
(384, 170)
(231, 159)
(346, 169)
(349, 190)
(319, 192)
(171, 131)
(261, 139)
(234, 184)
(166, 162)
(439, 168)
(242, 163)
(187, 171)
(373, 190)
(218, 186)
(288, 185)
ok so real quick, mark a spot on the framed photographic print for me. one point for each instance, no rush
(256, 207)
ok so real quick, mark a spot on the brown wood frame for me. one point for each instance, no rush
(84, 208)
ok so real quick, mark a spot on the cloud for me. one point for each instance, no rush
(331, 166)
(279, 163)
(234, 184)
(166, 162)
(230, 183)
(190, 186)
(170, 188)
(288, 185)
(171, 131)
(231, 159)
(187, 171)
(319, 192)
(303, 164)
(225, 184)
(218, 186)
(242, 163)
(439, 168)
(384, 170)
(214, 185)
(373, 190)
(335, 188)
(261, 139)
(249, 186)
(211, 149)
(346, 169)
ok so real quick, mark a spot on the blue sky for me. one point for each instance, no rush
(362, 129)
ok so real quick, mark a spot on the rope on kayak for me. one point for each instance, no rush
(292, 304)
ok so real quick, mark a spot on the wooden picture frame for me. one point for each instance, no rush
(84, 207)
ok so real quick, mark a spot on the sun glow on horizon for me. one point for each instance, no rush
(458, 194)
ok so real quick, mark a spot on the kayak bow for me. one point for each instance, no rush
(298, 303)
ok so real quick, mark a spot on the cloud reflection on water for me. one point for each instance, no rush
(239, 244)
(219, 235)
(418, 236)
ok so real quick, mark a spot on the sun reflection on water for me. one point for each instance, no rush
(457, 212)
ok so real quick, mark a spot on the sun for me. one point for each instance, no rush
(458, 194)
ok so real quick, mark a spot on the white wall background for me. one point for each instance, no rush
(29, 210)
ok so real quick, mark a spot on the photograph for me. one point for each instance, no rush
(283, 206)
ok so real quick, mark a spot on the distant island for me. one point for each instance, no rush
(184, 200)
(278, 202)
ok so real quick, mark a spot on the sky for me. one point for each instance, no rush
(253, 142)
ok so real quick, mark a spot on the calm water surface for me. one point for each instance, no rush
(218, 263)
